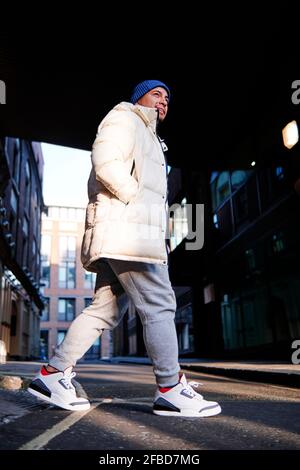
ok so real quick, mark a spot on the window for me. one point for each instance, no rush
(241, 205)
(66, 275)
(33, 248)
(67, 271)
(67, 213)
(67, 248)
(87, 301)
(61, 336)
(14, 200)
(45, 311)
(279, 172)
(72, 213)
(36, 214)
(25, 252)
(46, 247)
(89, 280)
(54, 212)
(80, 214)
(16, 161)
(238, 178)
(278, 243)
(224, 221)
(27, 186)
(95, 350)
(178, 225)
(250, 259)
(13, 229)
(63, 213)
(215, 219)
(44, 345)
(66, 309)
(25, 226)
(214, 175)
(220, 188)
(45, 260)
(45, 273)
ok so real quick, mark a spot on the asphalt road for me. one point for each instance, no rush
(255, 416)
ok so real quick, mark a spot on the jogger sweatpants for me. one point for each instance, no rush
(149, 288)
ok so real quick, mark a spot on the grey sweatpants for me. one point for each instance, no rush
(149, 288)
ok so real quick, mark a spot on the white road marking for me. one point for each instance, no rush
(132, 400)
(42, 440)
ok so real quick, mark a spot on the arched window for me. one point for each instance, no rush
(238, 178)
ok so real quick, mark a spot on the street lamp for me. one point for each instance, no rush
(290, 134)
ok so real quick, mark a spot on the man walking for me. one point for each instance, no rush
(124, 243)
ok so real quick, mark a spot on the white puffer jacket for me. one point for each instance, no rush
(126, 214)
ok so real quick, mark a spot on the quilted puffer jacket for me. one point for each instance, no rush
(126, 214)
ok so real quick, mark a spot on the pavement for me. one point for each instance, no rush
(16, 375)
(255, 416)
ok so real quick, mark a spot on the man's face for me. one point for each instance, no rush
(157, 98)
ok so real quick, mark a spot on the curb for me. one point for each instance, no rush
(275, 378)
(289, 379)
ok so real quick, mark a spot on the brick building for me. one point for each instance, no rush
(21, 205)
(67, 287)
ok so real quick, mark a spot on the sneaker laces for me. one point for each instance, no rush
(67, 380)
(195, 384)
(189, 388)
(190, 391)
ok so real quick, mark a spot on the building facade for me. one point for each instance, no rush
(255, 216)
(245, 279)
(67, 287)
(21, 205)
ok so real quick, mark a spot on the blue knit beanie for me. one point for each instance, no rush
(142, 88)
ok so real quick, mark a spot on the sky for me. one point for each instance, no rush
(66, 173)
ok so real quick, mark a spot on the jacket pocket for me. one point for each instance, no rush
(132, 199)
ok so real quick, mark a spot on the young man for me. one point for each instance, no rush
(124, 243)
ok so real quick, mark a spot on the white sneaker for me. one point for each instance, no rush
(57, 388)
(182, 400)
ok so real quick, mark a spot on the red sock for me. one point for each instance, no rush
(44, 371)
(166, 389)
